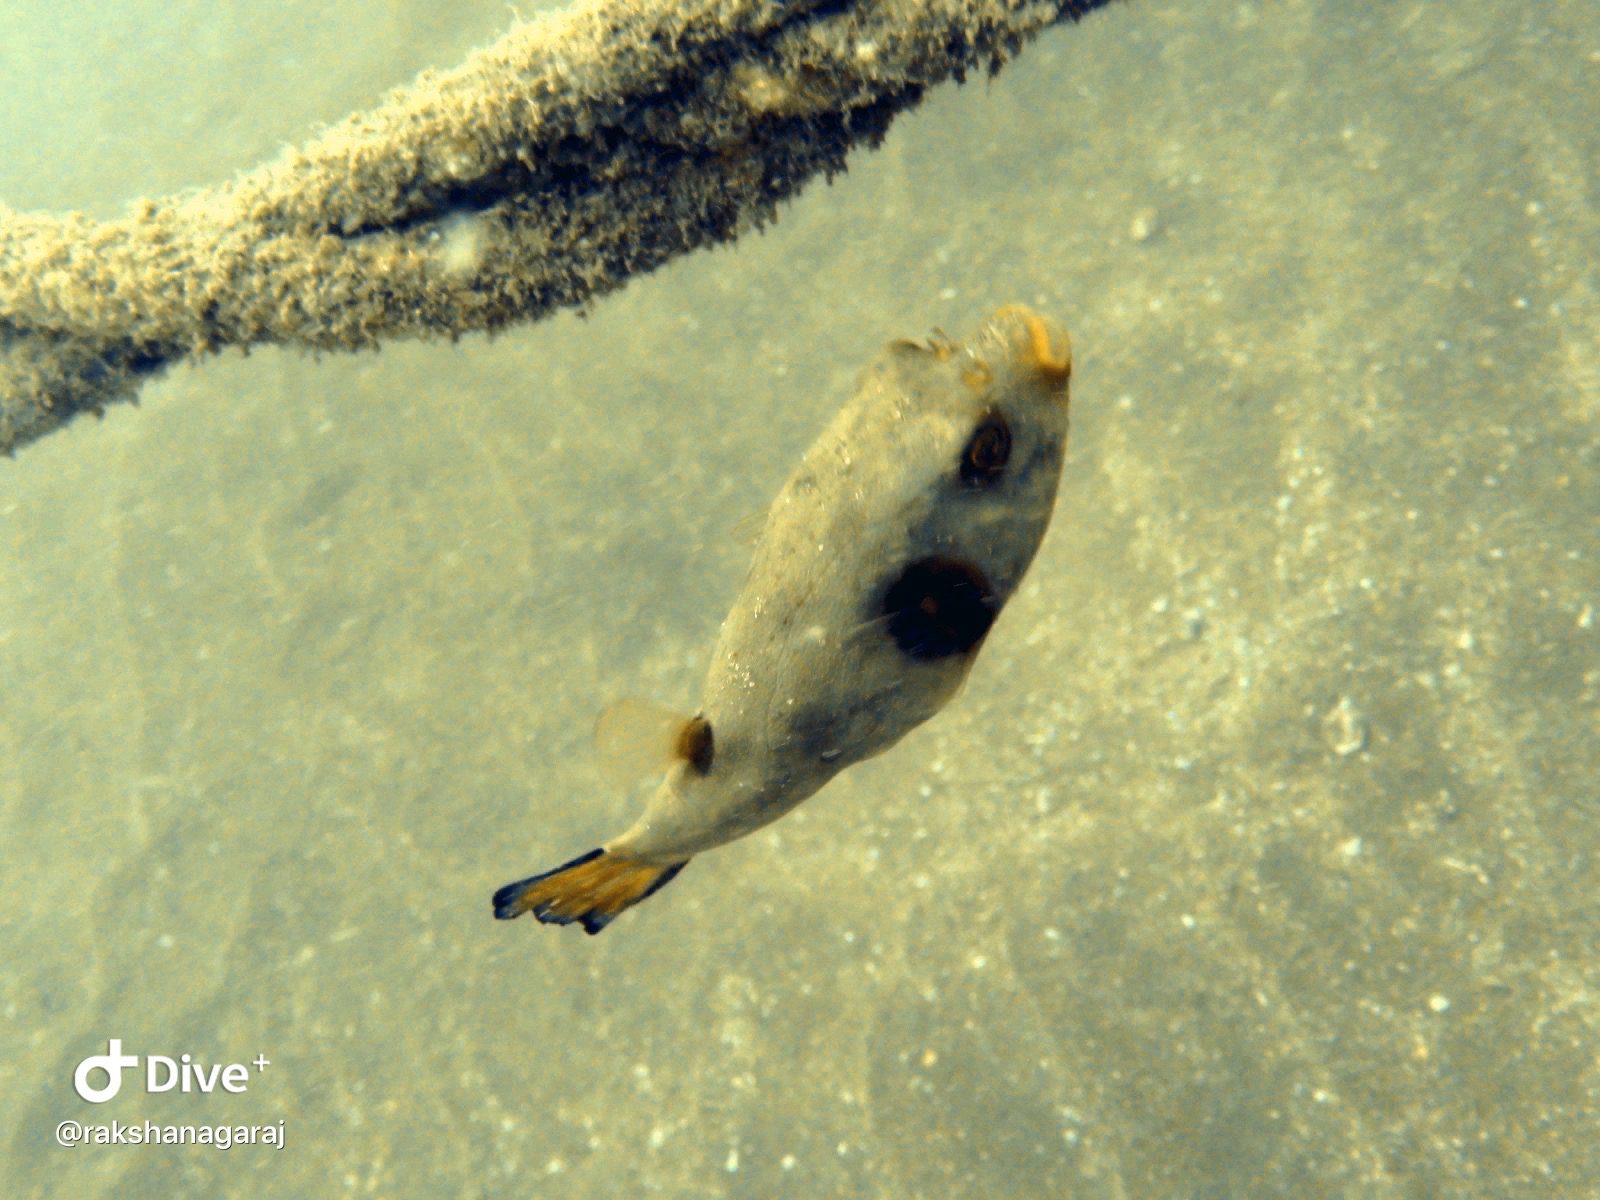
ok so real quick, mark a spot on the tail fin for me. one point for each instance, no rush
(591, 889)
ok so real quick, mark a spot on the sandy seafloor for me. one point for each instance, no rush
(1261, 856)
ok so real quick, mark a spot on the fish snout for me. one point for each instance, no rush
(1037, 344)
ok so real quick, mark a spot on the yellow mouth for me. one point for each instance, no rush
(1053, 367)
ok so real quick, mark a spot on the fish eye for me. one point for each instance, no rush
(937, 607)
(987, 451)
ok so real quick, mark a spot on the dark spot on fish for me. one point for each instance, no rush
(939, 606)
(988, 450)
(695, 744)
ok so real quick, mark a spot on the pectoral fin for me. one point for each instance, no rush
(636, 740)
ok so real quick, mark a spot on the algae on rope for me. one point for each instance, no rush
(583, 147)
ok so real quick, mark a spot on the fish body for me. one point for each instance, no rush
(883, 563)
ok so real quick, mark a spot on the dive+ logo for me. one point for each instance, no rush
(161, 1074)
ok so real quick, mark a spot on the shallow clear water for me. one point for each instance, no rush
(1260, 857)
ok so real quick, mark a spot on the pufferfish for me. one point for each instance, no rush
(884, 562)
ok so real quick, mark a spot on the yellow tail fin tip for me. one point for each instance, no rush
(590, 890)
